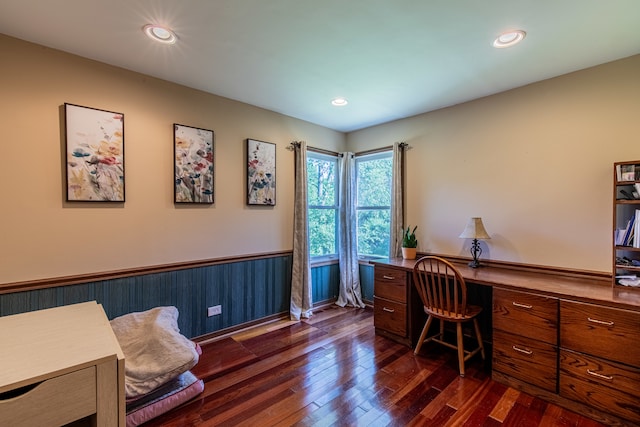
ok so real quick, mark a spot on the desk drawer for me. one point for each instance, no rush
(529, 315)
(390, 316)
(56, 401)
(390, 283)
(606, 332)
(604, 385)
(528, 360)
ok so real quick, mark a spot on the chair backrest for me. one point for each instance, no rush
(440, 285)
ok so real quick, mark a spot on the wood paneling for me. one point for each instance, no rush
(247, 291)
(366, 282)
(325, 282)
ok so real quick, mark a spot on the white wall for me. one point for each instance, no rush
(42, 236)
(534, 162)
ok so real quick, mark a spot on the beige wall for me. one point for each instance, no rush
(42, 236)
(534, 162)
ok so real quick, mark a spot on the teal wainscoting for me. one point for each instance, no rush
(247, 290)
(366, 282)
(325, 283)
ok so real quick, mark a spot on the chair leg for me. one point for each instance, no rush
(479, 337)
(460, 348)
(423, 335)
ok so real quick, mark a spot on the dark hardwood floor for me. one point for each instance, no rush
(333, 370)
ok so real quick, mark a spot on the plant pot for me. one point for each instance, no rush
(409, 253)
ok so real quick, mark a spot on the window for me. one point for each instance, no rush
(373, 204)
(322, 188)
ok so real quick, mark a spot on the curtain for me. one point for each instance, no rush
(301, 298)
(350, 292)
(397, 198)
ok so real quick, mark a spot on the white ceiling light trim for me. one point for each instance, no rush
(160, 34)
(339, 102)
(509, 38)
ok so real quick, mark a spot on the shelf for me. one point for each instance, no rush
(627, 248)
(627, 202)
(627, 267)
(626, 213)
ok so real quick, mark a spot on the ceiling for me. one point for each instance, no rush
(390, 59)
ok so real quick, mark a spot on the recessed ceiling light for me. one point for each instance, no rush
(509, 38)
(160, 33)
(339, 102)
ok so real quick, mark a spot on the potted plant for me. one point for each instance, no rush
(409, 243)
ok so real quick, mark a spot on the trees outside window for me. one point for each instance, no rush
(322, 189)
(373, 204)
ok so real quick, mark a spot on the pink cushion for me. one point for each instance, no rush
(169, 396)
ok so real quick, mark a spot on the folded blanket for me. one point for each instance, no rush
(154, 349)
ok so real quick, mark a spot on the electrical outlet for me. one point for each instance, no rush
(214, 311)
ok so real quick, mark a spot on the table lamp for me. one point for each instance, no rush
(475, 230)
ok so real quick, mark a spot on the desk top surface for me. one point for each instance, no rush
(39, 344)
(585, 289)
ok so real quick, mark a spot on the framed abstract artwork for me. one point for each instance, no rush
(193, 164)
(94, 142)
(261, 173)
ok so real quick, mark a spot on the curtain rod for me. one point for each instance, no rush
(403, 145)
(374, 151)
(296, 144)
(323, 151)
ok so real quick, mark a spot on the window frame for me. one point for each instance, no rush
(328, 258)
(368, 156)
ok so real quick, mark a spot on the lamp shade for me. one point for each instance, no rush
(474, 230)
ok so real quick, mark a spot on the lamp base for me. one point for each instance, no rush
(476, 250)
(474, 264)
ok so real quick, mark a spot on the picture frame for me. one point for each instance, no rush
(94, 147)
(193, 164)
(261, 173)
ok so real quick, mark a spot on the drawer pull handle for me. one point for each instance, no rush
(388, 310)
(522, 350)
(18, 392)
(600, 322)
(388, 277)
(526, 306)
(602, 377)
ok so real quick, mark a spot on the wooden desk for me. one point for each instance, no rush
(569, 339)
(61, 365)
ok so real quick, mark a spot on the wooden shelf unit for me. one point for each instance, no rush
(626, 185)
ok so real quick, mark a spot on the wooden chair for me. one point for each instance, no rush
(443, 292)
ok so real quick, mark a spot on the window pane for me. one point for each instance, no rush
(322, 232)
(374, 182)
(323, 216)
(373, 232)
(374, 203)
(321, 181)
